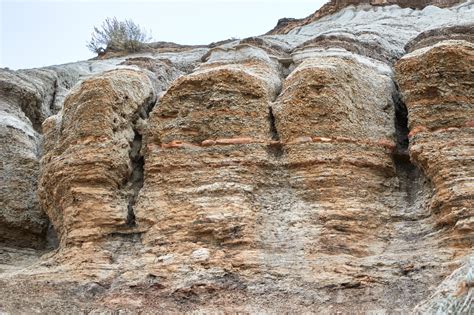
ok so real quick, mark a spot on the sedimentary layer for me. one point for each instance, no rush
(326, 167)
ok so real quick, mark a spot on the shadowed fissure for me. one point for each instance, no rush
(136, 177)
(137, 161)
(412, 181)
(50, 236)
(406, 170)
(53, 98)
(276, 149)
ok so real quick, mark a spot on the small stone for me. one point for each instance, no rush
(201, 254)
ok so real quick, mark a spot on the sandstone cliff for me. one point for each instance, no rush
(324, 167)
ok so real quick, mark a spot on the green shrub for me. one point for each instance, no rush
(115, 35)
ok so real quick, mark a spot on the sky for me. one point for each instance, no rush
(41, 33)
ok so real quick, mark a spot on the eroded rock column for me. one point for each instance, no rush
(205, 148)
(436, 80)
(88, 170)
(24, 104)
(335, 119)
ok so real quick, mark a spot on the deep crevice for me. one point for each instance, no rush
(136, 179)
(52, 240)
(274, 149)
(401, 126)
(53, 99)
(407, 172)
(273, 129)
(411, 179)
(403, 165)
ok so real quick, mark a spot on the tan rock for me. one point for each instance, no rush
(91, 146)
(201, 197)
(435, 84)
(273, 176)
(338, 179)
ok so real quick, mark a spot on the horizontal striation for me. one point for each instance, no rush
(88, 155)
(205, 155)
(438, 88)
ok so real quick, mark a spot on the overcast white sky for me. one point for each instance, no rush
(40, 33)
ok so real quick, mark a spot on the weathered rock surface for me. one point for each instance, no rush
(94, 165)
(453, 295)
(26, 100)
(324, 168)
(437, 85)
(436, 82)
(285, 25)
(28, 97)
(21, 221)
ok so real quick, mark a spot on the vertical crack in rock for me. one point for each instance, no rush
(52, 241)
(274, 149)
(401, 125)
(53, 98)
(411, 180)
(406, 171)
(273, 129)
(136, 177)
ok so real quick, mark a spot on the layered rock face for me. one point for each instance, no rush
(93, 165)
(325, 170)
(28, 97)
(26, 101)
(220, 110)
(436, 82)
(337, 131)
(286, 25)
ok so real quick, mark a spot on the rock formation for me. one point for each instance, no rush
(286, 25)
(324, 167)
(436, 82)
(93, 165)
